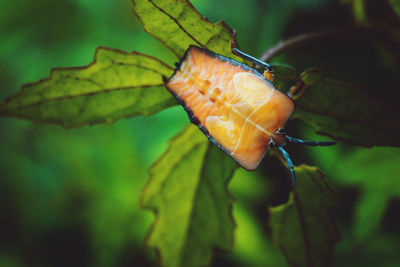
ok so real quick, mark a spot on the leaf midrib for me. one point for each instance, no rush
(80, 95)
(177, 23)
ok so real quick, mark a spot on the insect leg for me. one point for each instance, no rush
(289, 162)
(309, 143)
(252, 59)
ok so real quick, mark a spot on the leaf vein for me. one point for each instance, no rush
(178, 24)
(80, 95)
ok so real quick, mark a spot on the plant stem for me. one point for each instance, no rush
(306, 38)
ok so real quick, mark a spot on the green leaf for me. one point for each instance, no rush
(396, 6)
(284, 77)
(304, 227)
(115, 85)
(345, 112)
(188, 192)
(177, 24)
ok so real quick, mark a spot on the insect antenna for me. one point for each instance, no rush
(252, 59)
(289, 162)
(309, 143)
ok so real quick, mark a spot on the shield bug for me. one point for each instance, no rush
(235, 106)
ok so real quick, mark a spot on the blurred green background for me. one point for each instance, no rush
(70, 197)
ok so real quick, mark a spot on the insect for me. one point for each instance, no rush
(235, 106)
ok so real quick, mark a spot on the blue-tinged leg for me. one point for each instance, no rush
(252, 59)
(309, 143)
(289, 162)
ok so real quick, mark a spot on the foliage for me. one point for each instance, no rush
(345, 112)
(116, 85)
(187, 189)
(303, 227)
(395, 5)
(177, 24)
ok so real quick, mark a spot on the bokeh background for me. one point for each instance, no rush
(70, 197)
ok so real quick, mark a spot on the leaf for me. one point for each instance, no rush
(115, 85)
(177, 24)
(187, 191)
(345, 112)
(396, 6)
(304, 227)
(284, 77)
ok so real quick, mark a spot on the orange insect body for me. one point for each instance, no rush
(234, 105)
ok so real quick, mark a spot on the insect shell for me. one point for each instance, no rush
(235, 106)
